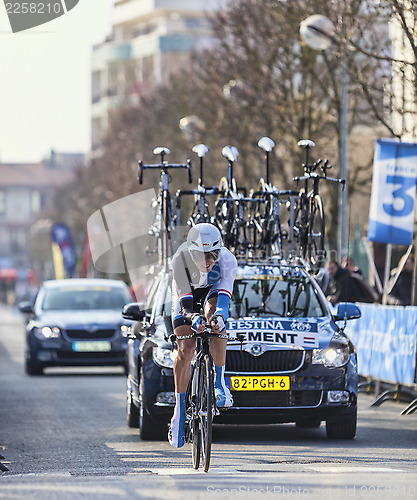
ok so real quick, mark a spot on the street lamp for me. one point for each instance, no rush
(317, 32)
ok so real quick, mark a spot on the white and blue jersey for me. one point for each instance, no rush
(188, 298)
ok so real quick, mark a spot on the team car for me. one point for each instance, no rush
(287, 360)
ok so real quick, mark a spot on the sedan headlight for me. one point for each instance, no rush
(163, 357)
(331, 357)
(47, 332)
(124, 330)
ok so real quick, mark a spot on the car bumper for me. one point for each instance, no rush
(312, 395)
(62, 353)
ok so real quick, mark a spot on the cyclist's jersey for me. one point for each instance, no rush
(217, 283)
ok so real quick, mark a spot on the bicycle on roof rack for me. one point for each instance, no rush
(163, 226)
(230, 208)
(265, 217)
(309, 223)
(200, 210)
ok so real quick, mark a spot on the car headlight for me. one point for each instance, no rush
(331, 357)
(124, 329)
(47, 332)
(163, 357)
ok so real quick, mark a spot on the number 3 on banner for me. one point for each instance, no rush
(405, 184)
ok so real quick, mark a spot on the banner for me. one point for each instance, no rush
(61, 235)
(385, 339)
(391, 214)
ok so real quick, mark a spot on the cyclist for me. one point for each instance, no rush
(203, 275)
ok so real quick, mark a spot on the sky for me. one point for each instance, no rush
(45, 96)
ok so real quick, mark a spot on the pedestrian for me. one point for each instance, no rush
(401, 292)
(369, 294)
(345, 288)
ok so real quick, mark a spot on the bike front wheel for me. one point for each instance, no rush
(205, 410)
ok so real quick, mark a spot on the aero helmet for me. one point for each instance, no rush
(205, 238)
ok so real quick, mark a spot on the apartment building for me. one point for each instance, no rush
(25, 191)
(149, 40)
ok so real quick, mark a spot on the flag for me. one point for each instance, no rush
(61, 236)
(391, 214)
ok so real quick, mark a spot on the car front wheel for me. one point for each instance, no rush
(149, 430)
(32, 367)
(345, 428)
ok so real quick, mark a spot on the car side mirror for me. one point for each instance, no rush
(134, 311)
(347, 310)
(26, 307)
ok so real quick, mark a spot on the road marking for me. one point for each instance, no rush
(344, 469)
(170, 471)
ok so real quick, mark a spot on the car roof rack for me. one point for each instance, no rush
(291, 261)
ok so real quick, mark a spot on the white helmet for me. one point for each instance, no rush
(205, 238)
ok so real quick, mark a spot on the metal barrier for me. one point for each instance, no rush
(386, 342)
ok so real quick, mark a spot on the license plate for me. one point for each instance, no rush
(259, 383)
(88, 346)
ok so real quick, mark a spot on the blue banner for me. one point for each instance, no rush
(391, 213)
(385, 339)
(61, 235)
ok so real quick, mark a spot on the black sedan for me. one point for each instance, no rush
(76, 322)
(287, 359)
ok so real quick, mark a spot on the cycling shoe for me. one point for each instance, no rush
(176, 431)
(224, 398)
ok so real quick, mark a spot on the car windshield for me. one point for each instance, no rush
(275, 296)
(84, 298)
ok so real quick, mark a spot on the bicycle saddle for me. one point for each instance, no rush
(230, 152)
(266, 144)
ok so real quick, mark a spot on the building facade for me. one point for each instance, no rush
(25, 192)
(149, 40)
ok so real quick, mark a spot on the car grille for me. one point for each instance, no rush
(78, 334)
(270, 399)
(269, 361)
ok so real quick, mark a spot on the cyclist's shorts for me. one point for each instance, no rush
(200, 298)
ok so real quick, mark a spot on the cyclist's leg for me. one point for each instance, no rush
(218, 346)
(182, 371)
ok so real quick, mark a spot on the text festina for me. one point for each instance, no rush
(268, 330)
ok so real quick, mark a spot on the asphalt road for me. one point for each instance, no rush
(63, 435)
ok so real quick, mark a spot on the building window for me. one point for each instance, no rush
(2, 202)
(17, 240)
(36, 202)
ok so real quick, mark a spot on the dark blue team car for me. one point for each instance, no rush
(288, 361)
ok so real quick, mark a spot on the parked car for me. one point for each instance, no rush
(76, 322)
(288, 360)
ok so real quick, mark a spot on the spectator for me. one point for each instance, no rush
(347, 263)
(369, 294)
(345, 287)
(401, 292)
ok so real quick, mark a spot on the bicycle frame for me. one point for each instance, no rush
(200, 399)
(164, 219)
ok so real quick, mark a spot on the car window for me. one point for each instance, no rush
(84, 298)
(292, 297)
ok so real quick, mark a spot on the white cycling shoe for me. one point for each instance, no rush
(224, 398)
(176, 433)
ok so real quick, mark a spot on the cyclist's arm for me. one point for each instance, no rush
(183, 287)
(228, 269)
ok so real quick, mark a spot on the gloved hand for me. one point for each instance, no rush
(195, 322)
(218, 318)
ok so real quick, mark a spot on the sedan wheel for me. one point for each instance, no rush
(132, 411)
